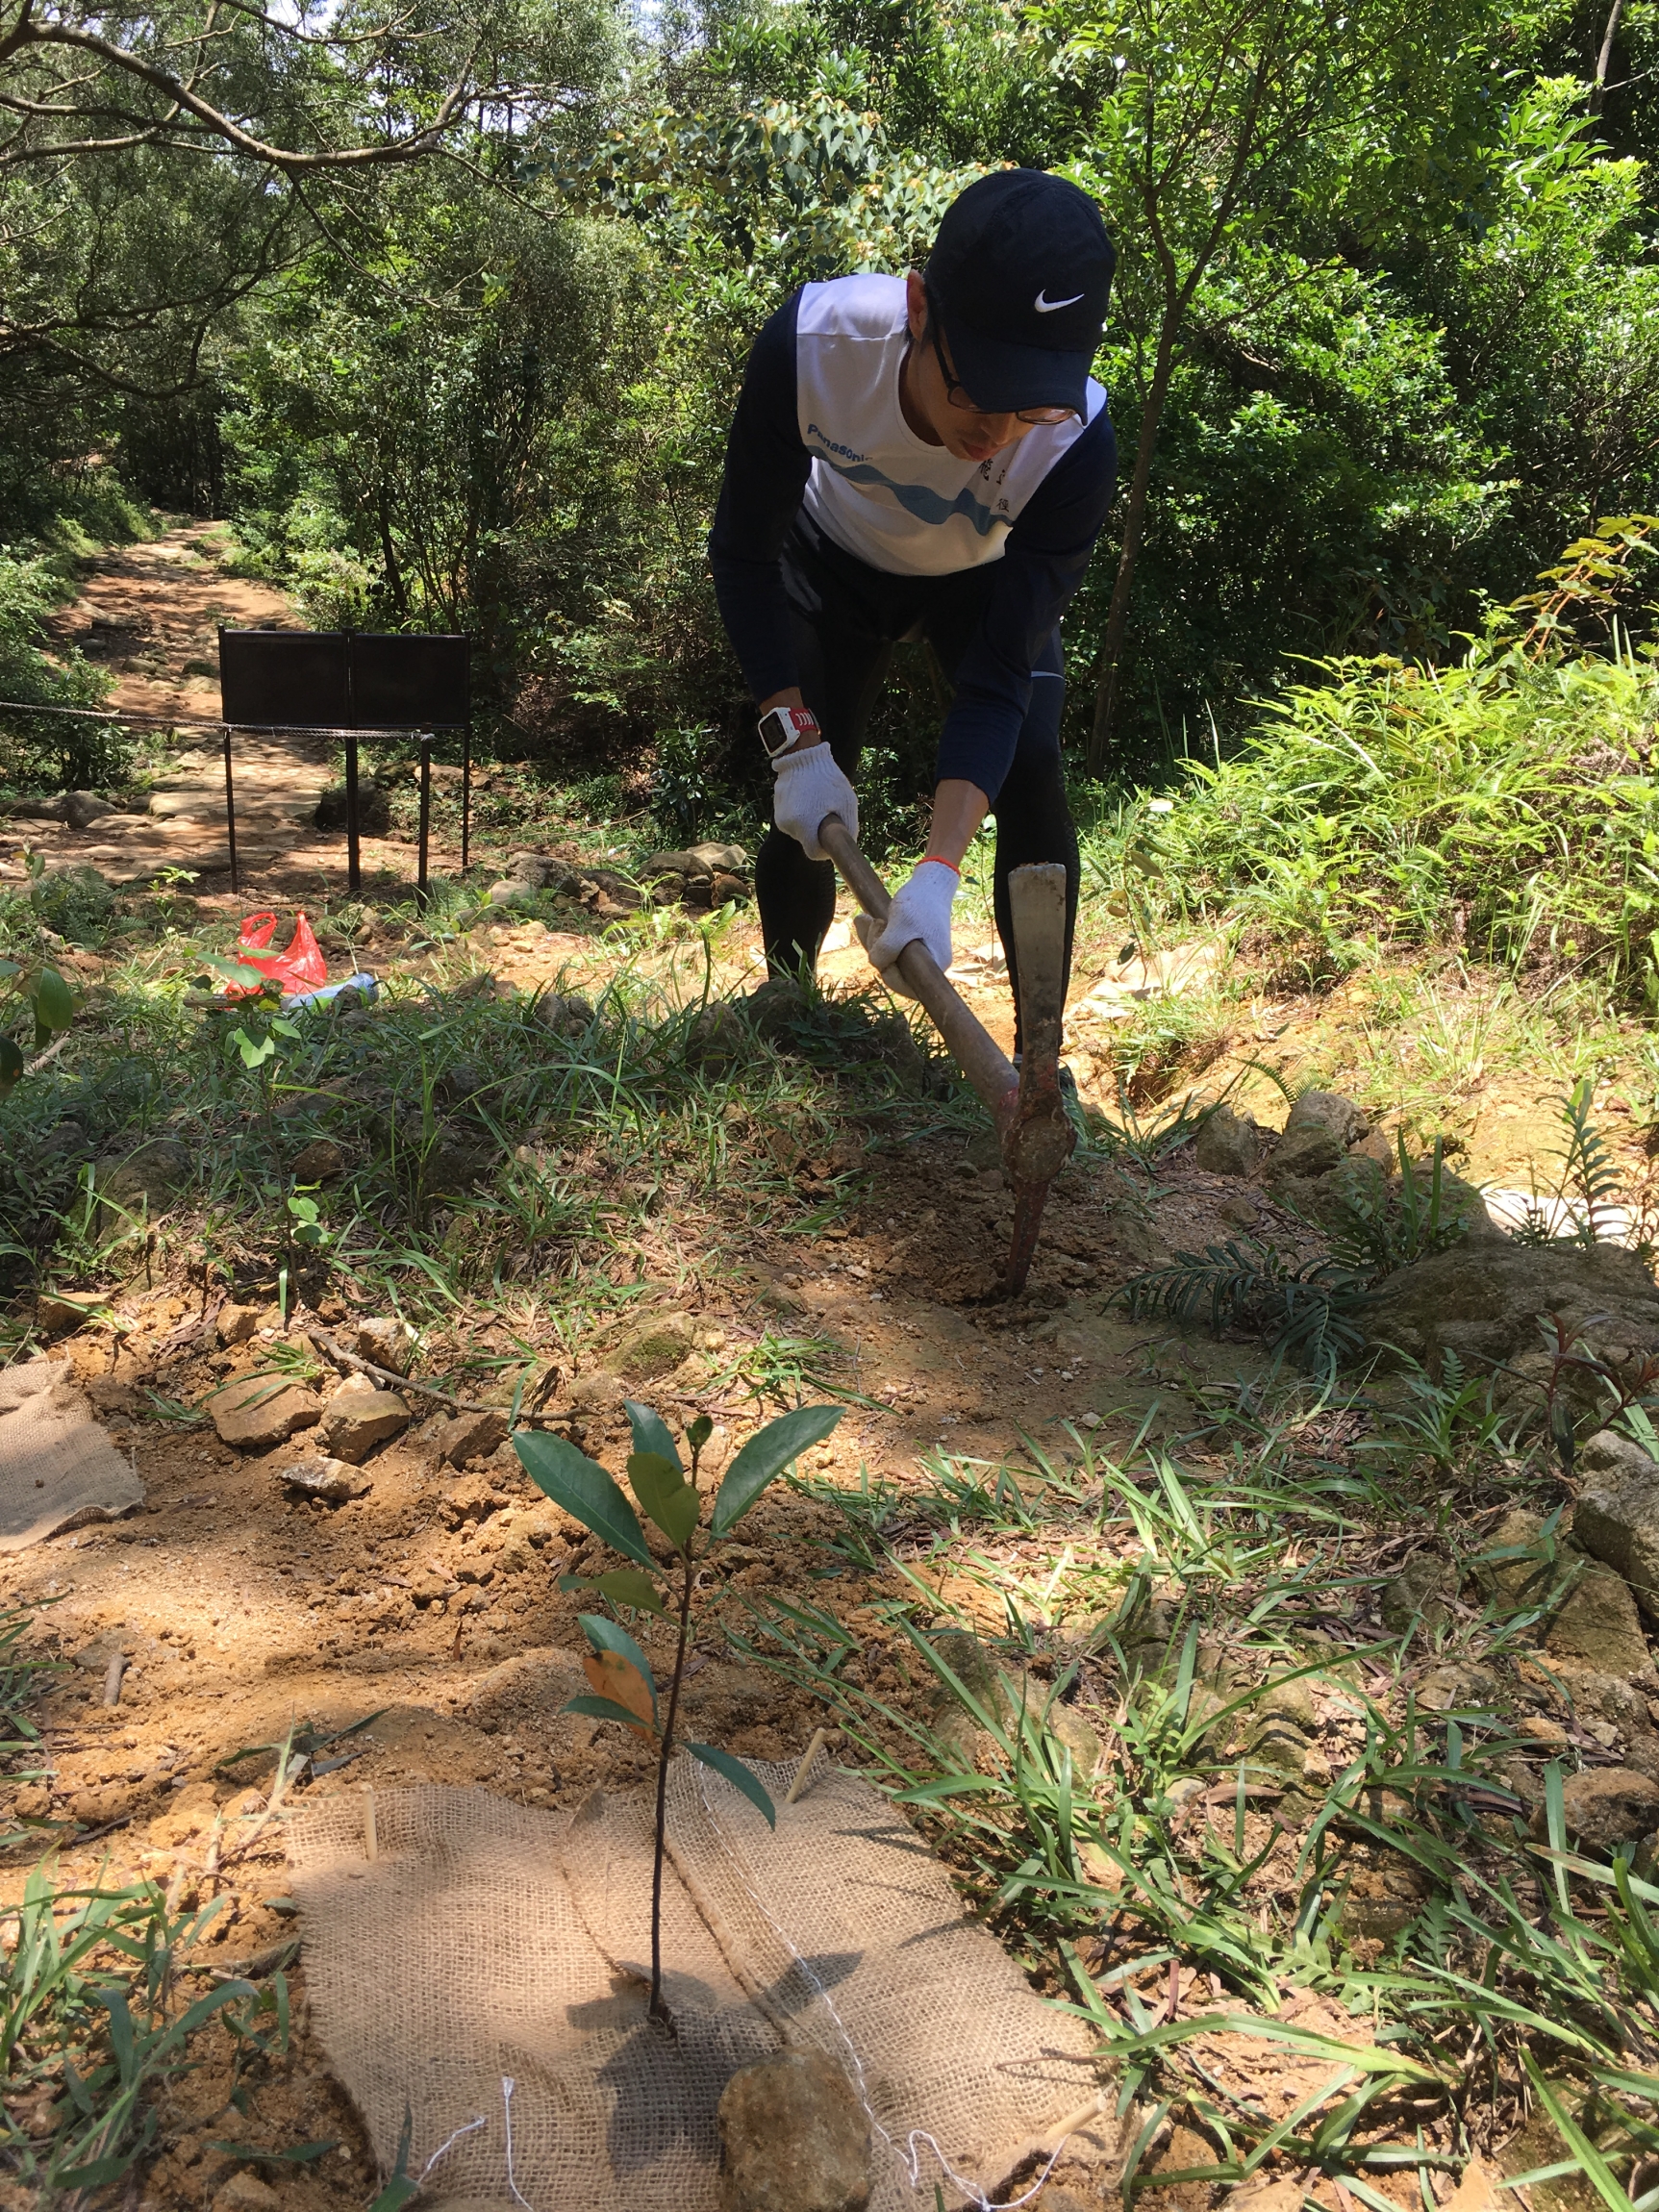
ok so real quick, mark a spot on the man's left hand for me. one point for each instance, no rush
(920, 911)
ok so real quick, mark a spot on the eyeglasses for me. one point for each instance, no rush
(957, 395)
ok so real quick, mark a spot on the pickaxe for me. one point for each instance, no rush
(1025, 1105)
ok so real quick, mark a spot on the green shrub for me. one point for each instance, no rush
(1508, 806)
(46, 752)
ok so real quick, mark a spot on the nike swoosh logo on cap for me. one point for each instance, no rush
(1046, 305)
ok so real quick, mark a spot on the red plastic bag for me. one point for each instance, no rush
(302, 966)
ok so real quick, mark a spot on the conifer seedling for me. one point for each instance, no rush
(624, 1689)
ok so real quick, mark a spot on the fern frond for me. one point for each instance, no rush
(1587, 1172)
(1227, 1280)
(1308, 1314)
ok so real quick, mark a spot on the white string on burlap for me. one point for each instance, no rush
(445, 2149)
(984, 2204)
(910, 2158)
(508, 2086)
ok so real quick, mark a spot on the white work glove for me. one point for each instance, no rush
(920, 910)
(809, 786)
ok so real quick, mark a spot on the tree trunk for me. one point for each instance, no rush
(1604, 59)
(1134, 523)
(388, 555)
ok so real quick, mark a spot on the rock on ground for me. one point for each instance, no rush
(191, 1814)
(330, 1479)
(142, 1180)
(651, 1349)
(1289, 1699)
(707, 860)
(1320, 1127)
(1449, 1688)
(566, 1014)
(320, 1161)
(1483, 1301)
(253, 1414)
(717, 1037)
(794, 2138)
(82, 809)
(467, 1436)
(1613, 1710)
(1518, 1582)
(245, 2192)
(1418, 1592)
(236, 1324)
(389, 1344)
(977, 1670)
(1597, 1625)
(58, 1312)
(1617, 1517)
(1228, 1143)
(773, 1009)
(1606, 1806)
(536, 871)
(357, 1419)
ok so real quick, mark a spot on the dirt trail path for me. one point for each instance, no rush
(151, 616)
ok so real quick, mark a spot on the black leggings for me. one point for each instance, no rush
(847, 619)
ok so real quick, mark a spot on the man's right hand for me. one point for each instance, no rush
(809, 786)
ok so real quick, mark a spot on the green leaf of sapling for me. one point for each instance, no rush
(623, 1586)
(739, 1775)
(651, 1433)
(766, 1455)
(585, 1490)
(627, 1586)
(238, 971)
(668, 1499)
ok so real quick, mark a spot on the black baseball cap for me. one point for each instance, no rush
(1020, 274)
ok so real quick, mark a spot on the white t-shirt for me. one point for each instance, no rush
(876, 490)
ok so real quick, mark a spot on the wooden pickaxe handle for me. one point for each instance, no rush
(990, 1071)
(1025, 1104)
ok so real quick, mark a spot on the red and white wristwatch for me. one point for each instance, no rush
(784, 725)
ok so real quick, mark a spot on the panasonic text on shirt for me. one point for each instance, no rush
(846, 452)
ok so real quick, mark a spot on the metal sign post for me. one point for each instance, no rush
(353, 842)
(231, 812)
(425, 743)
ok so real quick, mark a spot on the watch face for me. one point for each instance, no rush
(782, 726)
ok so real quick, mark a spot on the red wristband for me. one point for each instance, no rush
(939, 861)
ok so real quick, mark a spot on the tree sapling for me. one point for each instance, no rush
(624, 1688)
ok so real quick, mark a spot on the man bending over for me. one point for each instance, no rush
(921, 457)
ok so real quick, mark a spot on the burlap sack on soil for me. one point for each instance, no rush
(482, 1972)
(57, 1466)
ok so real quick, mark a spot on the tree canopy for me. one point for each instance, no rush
(447, 311)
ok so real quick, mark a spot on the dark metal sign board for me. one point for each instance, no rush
(343, 680)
